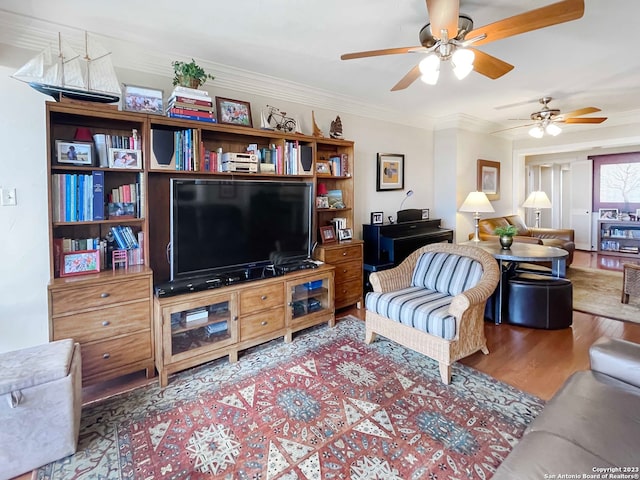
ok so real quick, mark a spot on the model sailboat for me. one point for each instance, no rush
(90, 77)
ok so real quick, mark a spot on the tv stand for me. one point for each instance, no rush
(199, 326)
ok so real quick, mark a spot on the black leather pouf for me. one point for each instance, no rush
(540, 301)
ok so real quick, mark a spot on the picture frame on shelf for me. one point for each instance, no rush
(322, 202)
(142, 99)
(390, 172)
(327, 234)
(74, 153)
(323, 168)
(345, 234)
(488, 178)
(608, 213)
(377, 218)
(81, 262)
(425, 214)
(233, 112)
(125, 158)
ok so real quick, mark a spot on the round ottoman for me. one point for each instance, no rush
(540, 301)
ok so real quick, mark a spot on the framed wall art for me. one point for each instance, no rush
(390, 172)
(142, 99)
(80, 262)
(488, 180)
(233, 112)
(75, 153)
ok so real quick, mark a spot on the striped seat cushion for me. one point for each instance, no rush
(417, 307)
(446, 272)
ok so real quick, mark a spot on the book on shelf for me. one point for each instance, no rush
(196, 113)
(190, 117)
(191, 107)
(195, 102)
(98, 194)
(194, 93)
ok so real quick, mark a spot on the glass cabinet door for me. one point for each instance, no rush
(203, 327)
(308, 297)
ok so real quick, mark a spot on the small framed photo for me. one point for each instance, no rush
(377, 218)
(390, 172)
(345, 234)
(425, 214)
(125, 158)
(142, 99)
(323, 167)
(327, 234)
(233, 112)
(607, 213)
(81, 262)
(322, 202)
(76, 153)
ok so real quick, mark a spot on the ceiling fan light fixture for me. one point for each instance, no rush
(462, 60)
(430, 69)
(553, 129)
(536, 132)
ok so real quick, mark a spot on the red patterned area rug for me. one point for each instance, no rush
(326, 406)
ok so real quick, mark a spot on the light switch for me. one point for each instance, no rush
(8, 197)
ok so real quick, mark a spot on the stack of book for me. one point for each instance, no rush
(191, 104)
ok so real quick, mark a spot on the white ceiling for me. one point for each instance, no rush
(291, 49)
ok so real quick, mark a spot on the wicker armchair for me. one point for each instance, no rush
(467, 308)
(630, 281)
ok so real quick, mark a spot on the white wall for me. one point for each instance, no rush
(23, 244)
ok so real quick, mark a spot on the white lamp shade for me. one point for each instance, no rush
(553, 129)
(430, 69)
(537, 200)
(476, 202)
(536, 132)
(462, 62)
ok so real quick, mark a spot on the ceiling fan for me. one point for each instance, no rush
(450, 35)
(546, 120)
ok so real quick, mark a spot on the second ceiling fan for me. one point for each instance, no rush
(450, 36)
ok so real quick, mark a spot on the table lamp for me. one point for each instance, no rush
(478, 203)
(537, 200)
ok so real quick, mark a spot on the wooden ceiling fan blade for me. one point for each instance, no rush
(490, 66)
(443, 15)
(377, 53)
(585, 120)
(581, 111)
(408, 79)
(553, 14)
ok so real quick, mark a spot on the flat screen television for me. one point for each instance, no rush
(219, 225)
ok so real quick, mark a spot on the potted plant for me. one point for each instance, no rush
(189, 74)
(506, 235)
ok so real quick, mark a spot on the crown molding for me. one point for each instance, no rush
(32, 34)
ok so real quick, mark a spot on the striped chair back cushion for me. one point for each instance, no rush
(446, 272)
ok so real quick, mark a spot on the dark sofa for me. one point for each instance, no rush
(551, 237)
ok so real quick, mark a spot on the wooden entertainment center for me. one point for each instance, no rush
(121, 325)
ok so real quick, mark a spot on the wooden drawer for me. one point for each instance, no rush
(348, 270)
(342, 254)
(256, 325)
(110, 354)
(93, 296)
(103, 323)
(258, 299)
(348, 290)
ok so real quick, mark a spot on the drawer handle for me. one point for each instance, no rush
(106, 356)
(235, 318)
(264, 297)
(104, 295)
(344, 254)
(106, 323)
(264, 324)
(344, 271)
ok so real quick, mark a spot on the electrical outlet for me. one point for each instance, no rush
(8, 197)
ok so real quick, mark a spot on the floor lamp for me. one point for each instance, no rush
(476, 202)
(537, 200)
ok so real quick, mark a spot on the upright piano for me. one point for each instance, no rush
(387, 245)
